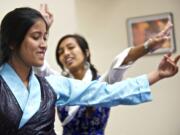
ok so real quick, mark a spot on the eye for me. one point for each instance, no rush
(70, 47)
(36, 36)
(60, 51)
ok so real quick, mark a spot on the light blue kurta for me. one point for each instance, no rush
(75, 92)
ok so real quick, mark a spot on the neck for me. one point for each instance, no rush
(79, 73)
(22, 71)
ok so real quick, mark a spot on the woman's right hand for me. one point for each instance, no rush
(48, 16)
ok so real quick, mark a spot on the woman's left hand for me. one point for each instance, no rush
(168, 66)
(158, 40)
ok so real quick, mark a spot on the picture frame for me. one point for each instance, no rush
(140, 29)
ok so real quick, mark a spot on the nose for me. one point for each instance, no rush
(43, 43)
(66, 52)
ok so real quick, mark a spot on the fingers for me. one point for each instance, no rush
(167, 30)
(169, 54)
(172, 64)
(158, 41)
(42, 8)
(47, 11)
(168, 26)
(170, 60)
(166, 56)
(45, 7)
(161, 38)
(177, 59)
(169, 65)
(48, 16)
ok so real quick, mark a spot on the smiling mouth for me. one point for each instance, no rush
(41, 55)
(68, 61)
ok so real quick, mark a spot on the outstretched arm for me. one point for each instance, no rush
(128, 92)
(123, 60)
(150, 45)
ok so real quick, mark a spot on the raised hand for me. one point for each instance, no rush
(168, 66)
(166, 31)
(157, 41)
(48, 16)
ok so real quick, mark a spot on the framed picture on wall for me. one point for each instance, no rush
(140, 29)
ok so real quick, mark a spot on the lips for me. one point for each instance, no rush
(41, 54)
(68, 61)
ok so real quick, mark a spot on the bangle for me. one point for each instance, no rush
(146, 46)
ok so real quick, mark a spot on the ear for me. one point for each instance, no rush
(12, 46)
(87, 53)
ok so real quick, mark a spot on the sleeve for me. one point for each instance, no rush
(116, 70)
(45, 70)
(72, 92)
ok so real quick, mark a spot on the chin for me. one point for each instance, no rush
(70, 67)
(39, 64)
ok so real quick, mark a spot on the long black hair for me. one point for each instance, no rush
(83, 44)
(14, 27)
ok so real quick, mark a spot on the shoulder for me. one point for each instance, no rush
(98, 76)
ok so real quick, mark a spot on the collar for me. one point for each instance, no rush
(28, 97)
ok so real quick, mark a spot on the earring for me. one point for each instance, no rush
(87, 65)
(65, 72)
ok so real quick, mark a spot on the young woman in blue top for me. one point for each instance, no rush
(73, 56)
(28, 102)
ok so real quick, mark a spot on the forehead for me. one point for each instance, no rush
(39, 25)
(68, 42)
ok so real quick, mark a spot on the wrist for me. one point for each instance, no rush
(161, 76)
(154, 77)
(147, 47)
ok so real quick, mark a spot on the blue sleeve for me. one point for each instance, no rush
(75, 92)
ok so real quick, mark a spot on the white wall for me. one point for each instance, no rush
(103, 23)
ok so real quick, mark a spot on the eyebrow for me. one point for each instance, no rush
(38, 32)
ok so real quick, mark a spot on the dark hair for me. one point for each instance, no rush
(84, 47)
(14, 27)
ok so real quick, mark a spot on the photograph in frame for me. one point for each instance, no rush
(140, 29)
